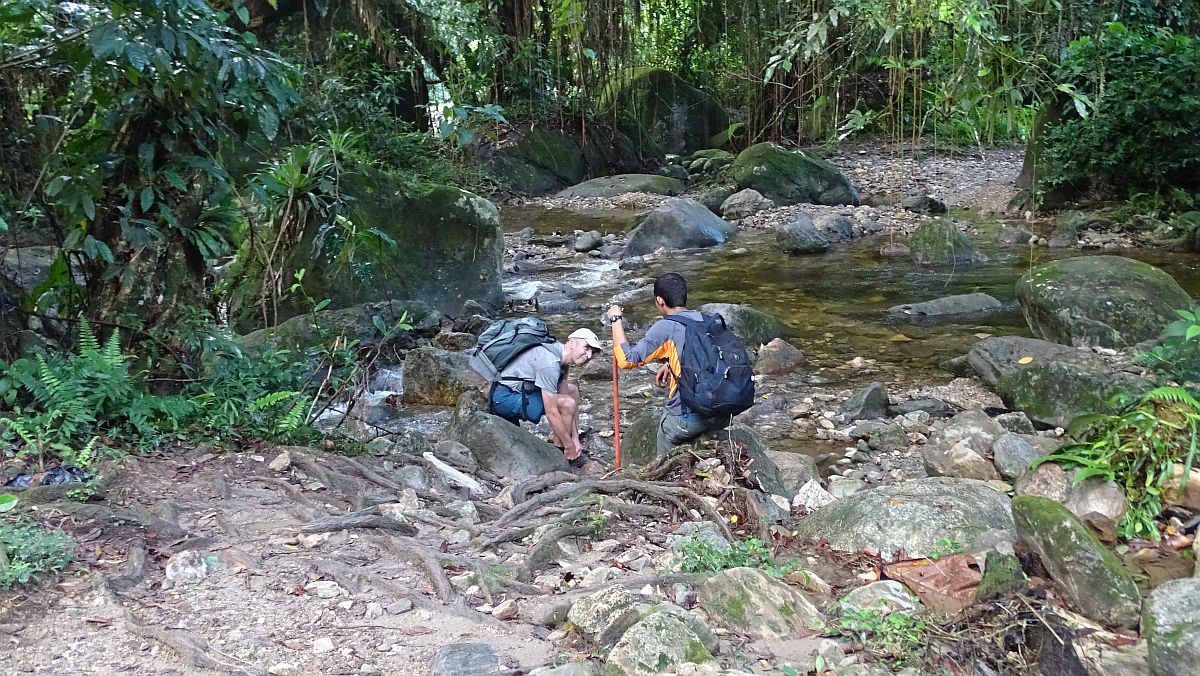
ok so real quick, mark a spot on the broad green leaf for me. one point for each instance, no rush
(1192, 332)
(8, 502)
(147, 198)
(3, 225)
(268, 121)
(378, 322)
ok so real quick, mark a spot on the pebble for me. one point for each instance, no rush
(369, 669)
(281, 669)
(400, 607)
(323, 645)
(507, 610)
(326, 589)
(375, 610)
(281, 462)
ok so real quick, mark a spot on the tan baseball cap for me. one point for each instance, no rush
(587, 336)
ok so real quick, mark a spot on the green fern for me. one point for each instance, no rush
(295, 416)
(1173, 395)
(268, 400)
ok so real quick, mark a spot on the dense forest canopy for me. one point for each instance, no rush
(150, 139)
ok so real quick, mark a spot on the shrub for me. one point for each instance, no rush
(28, 551)
(1132, 122)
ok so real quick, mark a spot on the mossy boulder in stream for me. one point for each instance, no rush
(1091, 576)
(752, 327)
(442, 246)
(1171, 626)
(1051, 383)
(537, 162)
(1108, 301)
(662, 112)
(940, 242)
(678, 224)
(792, 176)
(434, 377)
(611, 186)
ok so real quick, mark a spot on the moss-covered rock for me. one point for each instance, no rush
(603, 617)
(445, 248)
(654, 645)
(792, 177)
(749, 601)
(913, 517)
(502, 448)
(434, 377)
(663, 112)
(1171, 626)
(611, 186)
(1090, 575)
(355, 323)
(1051, 383)
(752, 327)
(537, 162)
(940, 242)
(1109, 301)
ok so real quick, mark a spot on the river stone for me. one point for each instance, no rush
(777, 358)
(795, 469)
(621, 184)
(1097, 495)
(655, 644)
(589, 240)
(1064, 236)
(457, 233)
(1108, 301)
(1055, 384)
(923, 204)
(570, 669)
(465, 659)
(801, 237)
(1016, 422)
(940, 242)
(356, 323)
(1013, 453)
(436, 377)
(752, 327)
(884, 596)
(870, 403)
(841, 486)
(713, 198)
(1171, 625)
(603, 617)
(792, 177)
(835, 227)
(1090, 575)
(911, 517)
(936, 408)
(749, 601)
(959, 448)
(881, 435)
(505, 449)
(455, 341)
(678, 224)
(744, 203)
(639, 440)
(1014, 234)
(1047, 480)
(967, 305)
(699, 531)
(664, 112)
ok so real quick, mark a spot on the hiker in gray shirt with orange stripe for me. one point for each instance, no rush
(664, 341)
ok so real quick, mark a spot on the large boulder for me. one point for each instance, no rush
(436, 377)
(749, 601)
(961, 447)
(1099, 300)
(752, 327)
(940, 242)
(913, 517)
(660, 641)
(603, 617)
(1171, 626)
(1090, 575)
(662, 112)
(355, 323)
(801, 237)
(505, 449)
(611, 186)
(869, 403)
(778, 357)
(678, 224)
(456, 233)
(795, 469)
(1051, 383)
(949, 308)
(792, 176)
(535, 162)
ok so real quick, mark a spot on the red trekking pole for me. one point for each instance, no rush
(616, 414)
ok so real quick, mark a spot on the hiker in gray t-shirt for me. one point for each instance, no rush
(535, 384)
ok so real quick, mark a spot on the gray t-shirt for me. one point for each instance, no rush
(541, 365)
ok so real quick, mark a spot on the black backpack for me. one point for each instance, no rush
(504, 341)
(715, 378)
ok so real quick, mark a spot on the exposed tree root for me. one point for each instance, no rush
(366, 518)
(544, 549)
(523, 489)
(437, 577)
(193, 649)
(136, 561)
(105, 514)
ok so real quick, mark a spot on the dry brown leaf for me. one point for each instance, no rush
(947, 584)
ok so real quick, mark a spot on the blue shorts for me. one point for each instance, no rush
(515, 406)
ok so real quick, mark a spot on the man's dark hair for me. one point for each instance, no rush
(672, 288)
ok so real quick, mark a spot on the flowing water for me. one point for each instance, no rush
(834, 304)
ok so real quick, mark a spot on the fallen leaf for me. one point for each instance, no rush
(900, 338)
(947, 584)
(1025, 360)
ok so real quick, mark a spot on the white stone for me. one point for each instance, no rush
(323, 645)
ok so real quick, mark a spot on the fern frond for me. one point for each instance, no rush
(269, 400)
(52, 384)
(111, 355)
(1172, 395)
(291, 422)
(89, 346)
